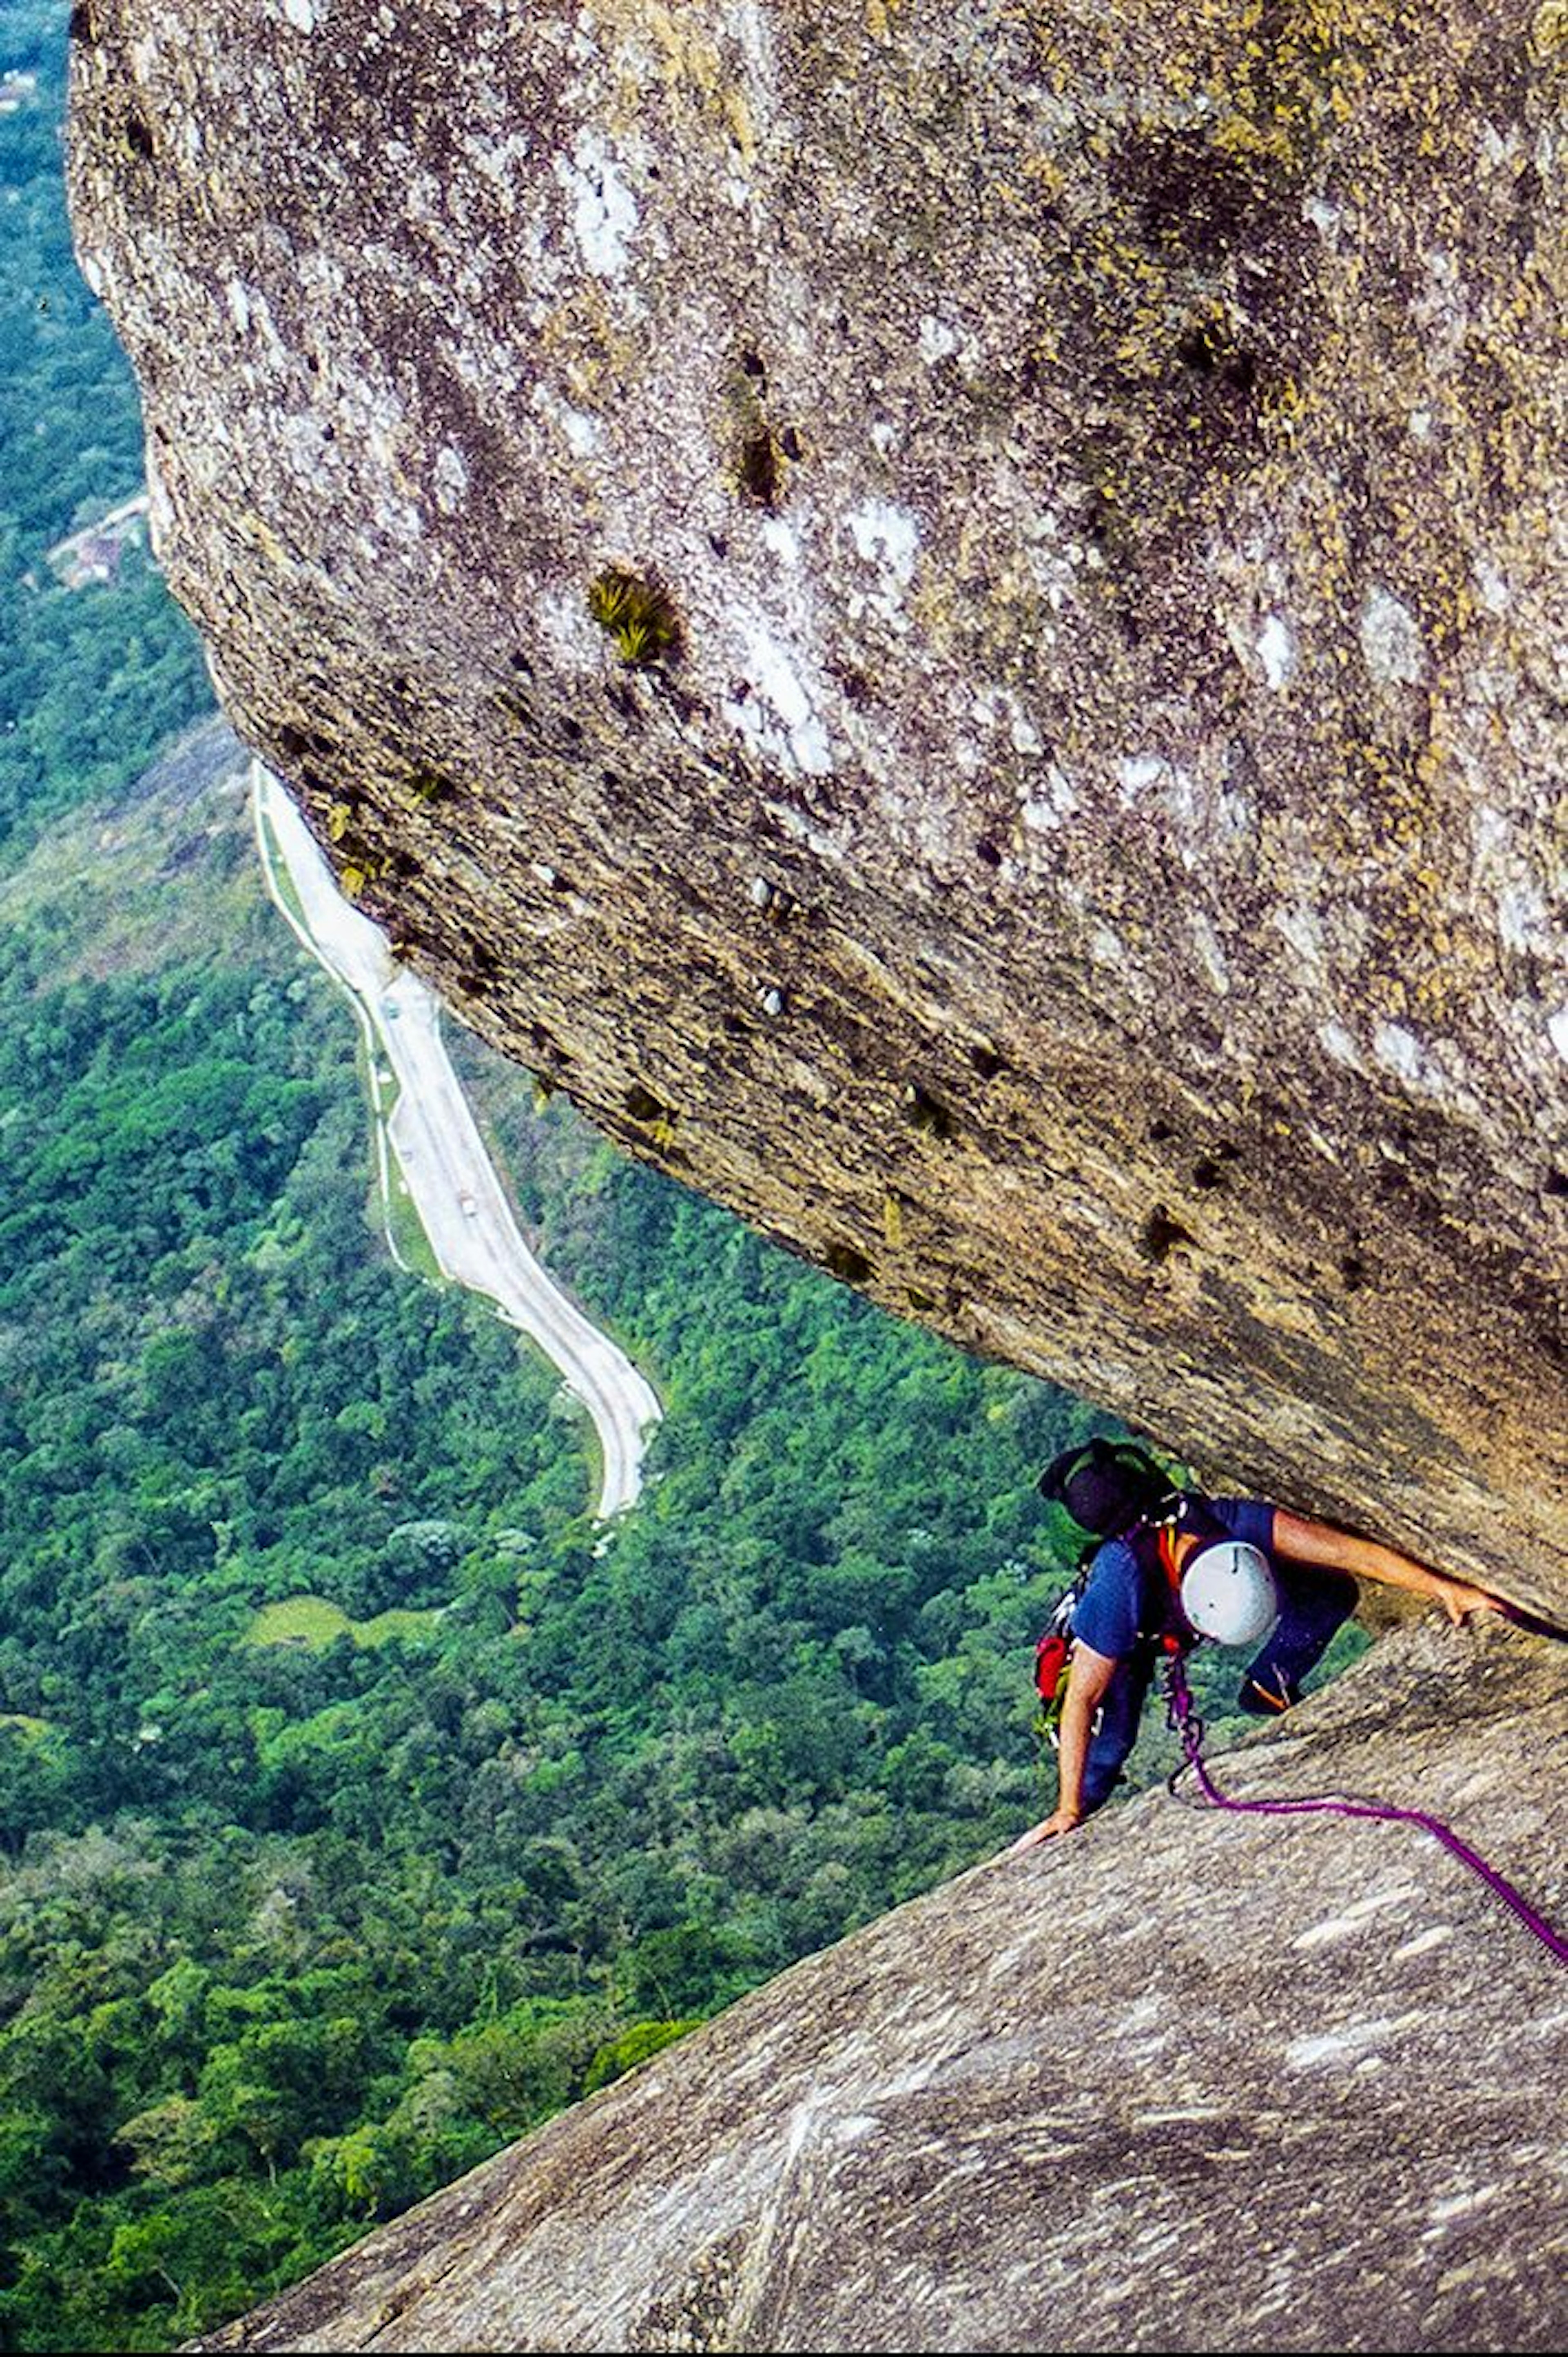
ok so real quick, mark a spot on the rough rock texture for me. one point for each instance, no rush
(1182, 2082)
(1082, 854)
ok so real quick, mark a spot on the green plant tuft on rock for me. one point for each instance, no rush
(637, 614)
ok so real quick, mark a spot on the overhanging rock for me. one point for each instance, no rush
(953, 616)
(1179, 2082)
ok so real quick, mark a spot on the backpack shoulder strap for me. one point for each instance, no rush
(1190, 1515)
(1153, 1543)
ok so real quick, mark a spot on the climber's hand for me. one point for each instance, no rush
(1060, 1820)
(1459, 1599)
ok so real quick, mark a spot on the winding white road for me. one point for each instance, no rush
(449, 1173)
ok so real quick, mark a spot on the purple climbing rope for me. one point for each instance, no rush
(1189, 1727)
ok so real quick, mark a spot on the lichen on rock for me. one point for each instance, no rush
(1107, 467)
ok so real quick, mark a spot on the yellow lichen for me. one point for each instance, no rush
(737, 122)
(1045, 175)
(1282, 411)
(1549, 31)
(684, 58)
(260, 535)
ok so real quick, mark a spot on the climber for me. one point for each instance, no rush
(1174, 1565)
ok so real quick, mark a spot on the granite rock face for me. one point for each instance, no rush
(954, 614)
(1181, 2082)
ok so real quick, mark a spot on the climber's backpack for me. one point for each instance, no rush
(1051, 1657)
(1107, 1486)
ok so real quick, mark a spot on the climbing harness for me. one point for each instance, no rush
(1185, 1720)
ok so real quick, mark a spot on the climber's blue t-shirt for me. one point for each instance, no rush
(1116, 1604)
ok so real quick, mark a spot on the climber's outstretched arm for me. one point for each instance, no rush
(1303, 1540)
(1091, 1674)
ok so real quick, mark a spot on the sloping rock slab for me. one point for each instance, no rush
(1184, 2081)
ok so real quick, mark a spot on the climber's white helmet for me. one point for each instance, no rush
(1227, 1593)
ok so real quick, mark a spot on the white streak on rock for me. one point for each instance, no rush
(1210, 955)
(1524, 920)
(1491, 587)
(604, 211)
(1557, 1031)
(160, 507)
(1392, 644)
(1460, 2205)
(1138, 771)
(451, 480)
(800, 742)
(886, 538)
(1276, 650)
(1424, 1943)
(1348, 2044)
(1500, 147)
(583, 434)
(1051, 804)
(1399, 1050)
(780, 541)
(499, 162)
(823, 843)
(1300, 926)
(1353, 1919)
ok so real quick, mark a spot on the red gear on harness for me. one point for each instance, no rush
(1176, 1637)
